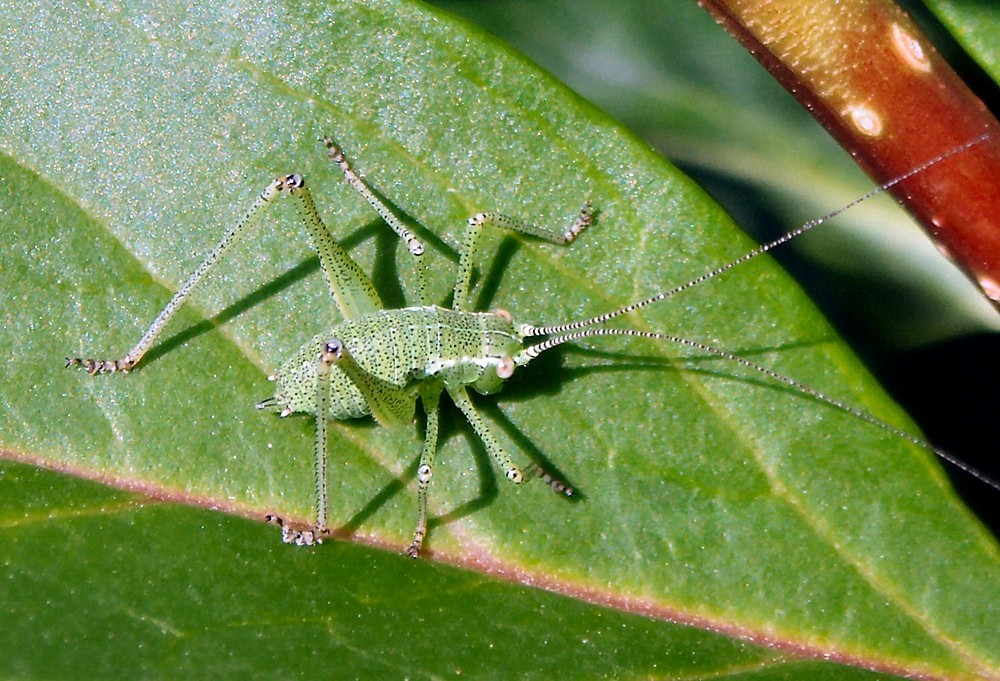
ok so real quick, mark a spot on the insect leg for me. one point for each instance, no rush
(460, 301)
(352, 290)
(99, 366)
(390, 405)
(413, 245)
(323, 364)
(496, 451)
(336, 155)
(314, 535)
(354, 294)
(430, 396)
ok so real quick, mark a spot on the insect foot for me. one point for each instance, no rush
(583, 222)
(413, 551)
(304, 536)
(561, 487)
(101, 366)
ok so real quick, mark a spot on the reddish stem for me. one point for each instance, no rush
(871, 77)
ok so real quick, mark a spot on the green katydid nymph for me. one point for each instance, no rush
(379, 361)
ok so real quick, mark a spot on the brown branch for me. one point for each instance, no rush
(868, 74)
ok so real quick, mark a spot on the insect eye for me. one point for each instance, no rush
(333, 350)
(503, 314)
(505, 369)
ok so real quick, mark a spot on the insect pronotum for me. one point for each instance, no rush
(379, 361)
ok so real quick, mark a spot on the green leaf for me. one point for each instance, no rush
(975, 26)
(134, 136)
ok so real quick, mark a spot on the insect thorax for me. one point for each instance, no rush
(399, 348)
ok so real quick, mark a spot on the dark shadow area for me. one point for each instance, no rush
(450, 422)
(950, 389)
(385, 274)
(945, 388)
(499, 263)
(546, 374)
(258, 296)
(388, 491)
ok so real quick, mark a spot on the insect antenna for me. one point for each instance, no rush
(533, 351)
(572, 331)
(528, 330)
